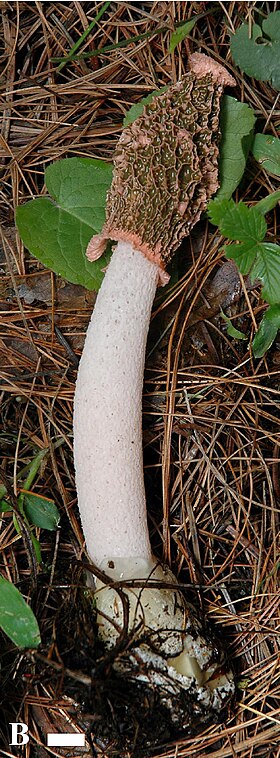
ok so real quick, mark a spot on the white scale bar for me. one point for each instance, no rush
(65, 739)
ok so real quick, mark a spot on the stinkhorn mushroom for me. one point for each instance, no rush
(165, 170)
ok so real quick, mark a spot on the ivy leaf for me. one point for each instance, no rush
(58, 231)
(236, 124)
(266, 150)
(181, 33)
(41, 511)
(259, 54)
(136, 110)
(267, 331)
(16, 617)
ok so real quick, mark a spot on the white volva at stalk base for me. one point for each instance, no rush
(169, 647)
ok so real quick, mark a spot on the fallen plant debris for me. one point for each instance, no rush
(211, 421)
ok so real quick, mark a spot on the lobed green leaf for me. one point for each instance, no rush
(253, 256)
(236, 221)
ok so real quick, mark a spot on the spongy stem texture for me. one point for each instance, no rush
(108, 411)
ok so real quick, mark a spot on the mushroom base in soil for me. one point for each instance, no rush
(165, 170)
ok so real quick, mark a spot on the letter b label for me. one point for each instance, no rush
(19, 733)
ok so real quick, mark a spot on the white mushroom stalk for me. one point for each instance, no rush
(165, 172)
(108, 412)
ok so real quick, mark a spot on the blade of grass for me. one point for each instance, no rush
(268, 203)
(83, 36)
(115, 46)
(126, 42)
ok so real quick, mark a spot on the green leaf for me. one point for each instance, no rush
(236, 124)
(266, 150)
(16, 617)
(41, 511)
(237, 221)
(267, 331)
(58, 233)
(232, 332)
(136, 110)
(217, 210)
(258, 54)
(37, 549)
(267, 268)
(244, 254)
(5, 506)
(252, 255)
(180, 34)
(83, 36)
